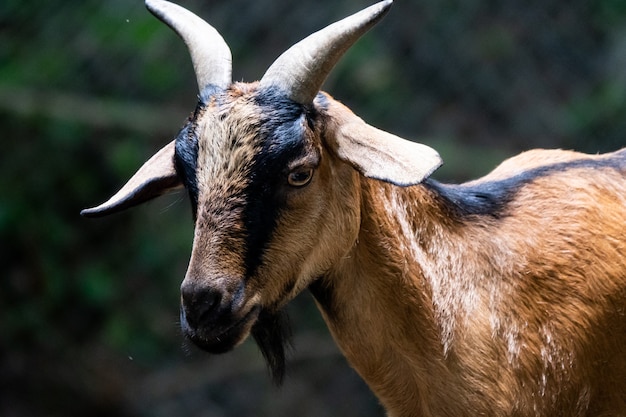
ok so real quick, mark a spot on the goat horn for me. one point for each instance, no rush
(211, 57)
(303, 68)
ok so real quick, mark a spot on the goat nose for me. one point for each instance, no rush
(199, 303)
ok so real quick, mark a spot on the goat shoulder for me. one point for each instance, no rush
(505, 295)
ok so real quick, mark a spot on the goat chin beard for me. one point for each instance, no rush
(269, 328)
(272, 334)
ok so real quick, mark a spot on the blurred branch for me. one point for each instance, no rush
(94, 112)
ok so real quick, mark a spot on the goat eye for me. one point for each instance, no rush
(300, 177)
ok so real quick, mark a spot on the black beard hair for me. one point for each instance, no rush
(272, 334)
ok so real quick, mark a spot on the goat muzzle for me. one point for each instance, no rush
(214, 319)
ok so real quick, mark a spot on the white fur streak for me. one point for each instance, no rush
(409, 241)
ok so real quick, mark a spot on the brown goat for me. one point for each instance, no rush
(504, 296)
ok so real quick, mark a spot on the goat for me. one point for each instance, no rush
(504, 296)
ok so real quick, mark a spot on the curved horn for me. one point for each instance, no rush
(211, 57)
(303, 68)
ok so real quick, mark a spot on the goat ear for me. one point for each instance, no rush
(156, 177)
(378, 154)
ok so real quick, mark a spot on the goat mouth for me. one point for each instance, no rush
(222, 338)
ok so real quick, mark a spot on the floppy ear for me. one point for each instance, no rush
(378, 154)
(156, 177)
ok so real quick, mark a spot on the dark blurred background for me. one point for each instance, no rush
(91, 89)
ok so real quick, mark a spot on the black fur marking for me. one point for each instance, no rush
(272, 334)
(323, 294)
(186, 156)
(208, 93)
(491, 198)
(280, 141)
(321, 101)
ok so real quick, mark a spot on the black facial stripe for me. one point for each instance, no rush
(186, 156)
(281, 140)
(492, 197)
(277, 109)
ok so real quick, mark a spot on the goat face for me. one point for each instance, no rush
(272, 170)
(268, 217)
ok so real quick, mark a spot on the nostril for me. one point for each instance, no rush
(207, 303)
(199, 304)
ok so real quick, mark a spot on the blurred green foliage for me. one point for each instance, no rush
(90, 89)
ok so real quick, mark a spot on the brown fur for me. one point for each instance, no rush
(450, 315)
(517, 311)
(505, 296)
(443, 314)
(519, 316)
